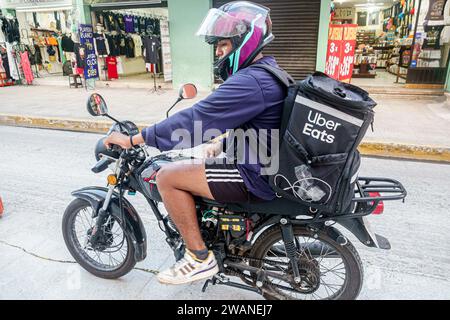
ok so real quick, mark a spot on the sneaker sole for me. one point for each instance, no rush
(206, 274)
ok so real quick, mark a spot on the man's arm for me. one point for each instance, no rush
(234, 103)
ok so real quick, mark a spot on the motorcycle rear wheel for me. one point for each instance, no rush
(352, 276)
(82, 255)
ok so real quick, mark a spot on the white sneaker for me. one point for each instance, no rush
(189, 269)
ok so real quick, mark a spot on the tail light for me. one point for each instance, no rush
(1, 206)
(380, 207)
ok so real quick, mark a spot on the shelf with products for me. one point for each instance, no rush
(366, 37)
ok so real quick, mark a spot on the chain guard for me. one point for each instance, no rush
(310, 274)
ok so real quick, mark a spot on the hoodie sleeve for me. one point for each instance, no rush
(234, 103)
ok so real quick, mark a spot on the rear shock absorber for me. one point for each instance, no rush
(291, 250)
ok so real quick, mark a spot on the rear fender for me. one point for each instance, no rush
(132, 225)
(361, 229)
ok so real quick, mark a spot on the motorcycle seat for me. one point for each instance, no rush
(279, 206)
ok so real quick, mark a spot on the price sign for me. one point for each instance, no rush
(340, 51)
(86, 39)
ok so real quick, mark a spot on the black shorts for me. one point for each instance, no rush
(226, 184)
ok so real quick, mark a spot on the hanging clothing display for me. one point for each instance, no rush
(14, 72)
(80, 54)
(67, 44)
(10, 28)
(111, 63)
(136, 24)
(432, 40)
(151, 47)
(61, 53)
(26, 67)
(130, 35)
(37, 55)
(129, 47)
(137, 45)
(120, 38)
(100, 44)
(129, 23)
(114, 49)
(5, 63)
(141, 24)
(436, 10)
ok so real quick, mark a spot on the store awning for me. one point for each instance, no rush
(34, 6)
(114, 4)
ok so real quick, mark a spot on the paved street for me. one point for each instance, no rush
(39, 169)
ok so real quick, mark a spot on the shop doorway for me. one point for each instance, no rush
(32, 38)
(132, 44)
(398, 43)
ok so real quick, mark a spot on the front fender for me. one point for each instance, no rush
(132, 225)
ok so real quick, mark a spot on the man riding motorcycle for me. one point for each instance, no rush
(250, 98)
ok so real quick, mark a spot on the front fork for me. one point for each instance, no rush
(103, 211)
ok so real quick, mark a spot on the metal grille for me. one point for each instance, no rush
(296, 27)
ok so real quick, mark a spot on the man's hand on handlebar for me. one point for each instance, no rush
(122, 140)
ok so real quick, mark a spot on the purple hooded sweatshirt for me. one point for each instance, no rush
(251, 98)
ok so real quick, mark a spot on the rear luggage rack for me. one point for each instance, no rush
(389, 189)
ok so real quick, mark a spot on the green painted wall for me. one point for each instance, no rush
(322, 41)
(447, 85)
(191, 56)
(84, 12)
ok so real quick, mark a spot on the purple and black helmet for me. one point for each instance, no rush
(246, 24)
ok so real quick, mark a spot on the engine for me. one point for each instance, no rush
(235, 229)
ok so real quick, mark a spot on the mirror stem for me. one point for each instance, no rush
(108, 116)
(167, 113)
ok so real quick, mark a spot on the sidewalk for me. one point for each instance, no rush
(407, 127)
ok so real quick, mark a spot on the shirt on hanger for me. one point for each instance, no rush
(141, 24)
(137, 45)
(122, 45)
(136, 24)
(80, 54)
(113, 46)
(121, 22)
(67, 44)
(100, 44)
(432, 39)
(151, 47)
(129, 47)
(129, 24)
(436, 10)
(111, 63)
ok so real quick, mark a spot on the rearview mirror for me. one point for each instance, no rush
(96, 105)
(188, 91)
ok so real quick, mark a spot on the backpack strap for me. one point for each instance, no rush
(284, 77)
(289, 82)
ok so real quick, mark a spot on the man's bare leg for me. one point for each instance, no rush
(177, 182)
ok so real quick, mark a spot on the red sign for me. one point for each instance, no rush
(340, 51)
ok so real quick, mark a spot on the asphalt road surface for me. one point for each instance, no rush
(39, 169)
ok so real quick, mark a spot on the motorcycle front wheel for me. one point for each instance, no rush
(110, 258)
(328, 270)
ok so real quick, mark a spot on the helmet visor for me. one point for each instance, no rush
(221, 24)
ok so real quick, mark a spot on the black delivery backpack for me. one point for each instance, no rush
(323, 122)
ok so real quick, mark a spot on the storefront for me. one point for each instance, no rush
(132, 41)
(398, 42)
(33, 33)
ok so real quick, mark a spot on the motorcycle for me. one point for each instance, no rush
(279, 249)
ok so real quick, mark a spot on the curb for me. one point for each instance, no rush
(380, 149)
